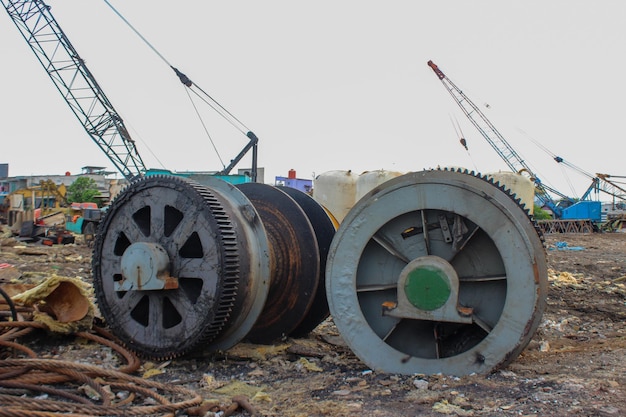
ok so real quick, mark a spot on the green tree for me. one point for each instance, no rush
(541, 214)
(83, 190)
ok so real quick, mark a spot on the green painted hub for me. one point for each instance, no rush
(427, 288)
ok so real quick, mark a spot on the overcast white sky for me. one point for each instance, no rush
(331, 85)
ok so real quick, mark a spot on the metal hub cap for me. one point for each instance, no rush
(145, 266)
(426, 283)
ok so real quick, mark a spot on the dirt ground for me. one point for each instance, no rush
(574, 366)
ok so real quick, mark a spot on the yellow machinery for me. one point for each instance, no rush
(32, 203)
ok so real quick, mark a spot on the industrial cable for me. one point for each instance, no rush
(17, 346)
(27, 375)
(114, 391)
(33, 386)
(215, 105)
(205, 129)
(184, 79)
(554, 156)
(461, 136)
(10, 304)
(205, 97)
(559, 160)
(136, 134)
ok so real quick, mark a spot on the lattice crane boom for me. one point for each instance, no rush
(513, 160)
(76, 84)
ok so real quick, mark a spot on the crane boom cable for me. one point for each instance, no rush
(214, 104)
(454, 125)
(137, 32)
(219, 110)
(459, 133)
(184, 79)
(206, 130)
(145, 144)
(557, 158)
(223, 112)
(600, 182)
(459, 126)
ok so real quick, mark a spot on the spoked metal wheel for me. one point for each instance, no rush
(172, 268)
(437, 271)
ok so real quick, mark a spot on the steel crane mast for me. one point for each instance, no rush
(76, 84)
(513, 160)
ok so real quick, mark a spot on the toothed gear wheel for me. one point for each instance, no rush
(193, 226)
(437, 271)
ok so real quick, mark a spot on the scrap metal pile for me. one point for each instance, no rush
(433, 271)
(62, 305)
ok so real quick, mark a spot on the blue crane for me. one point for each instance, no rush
(566, 207)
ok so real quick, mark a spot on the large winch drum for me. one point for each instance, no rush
(431, 271)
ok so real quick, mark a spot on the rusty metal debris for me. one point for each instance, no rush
(57, 387)
(68, 388)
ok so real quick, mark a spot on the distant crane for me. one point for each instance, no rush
(513, 160)
(76, 84)
(599, 182)
(566, 208)
(610, 187)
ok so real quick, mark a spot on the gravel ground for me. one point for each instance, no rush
(573, 366)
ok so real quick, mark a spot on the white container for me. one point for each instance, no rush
(517, 184)
(336, 191)
(369, 180)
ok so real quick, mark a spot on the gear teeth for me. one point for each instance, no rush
(504, 189)
(226, 239)
(230, 278)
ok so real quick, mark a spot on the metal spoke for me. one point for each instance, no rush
(386, 244)
(485, 278)
(482, 324)
(425, 229)
(185, 228)
(374, 287)
(437, 342)
(391, 330)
